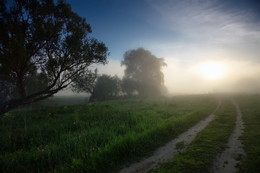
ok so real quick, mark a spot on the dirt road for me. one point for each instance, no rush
(168, 151)
(227, 161)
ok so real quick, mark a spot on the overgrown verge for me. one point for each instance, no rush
(201, 153)
(251, 138)
(94, 137)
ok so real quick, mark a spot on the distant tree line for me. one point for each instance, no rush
(143, 78)
(101, 87)
(45, 47)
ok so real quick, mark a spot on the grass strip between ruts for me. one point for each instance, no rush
(201, 153)
(250, 109)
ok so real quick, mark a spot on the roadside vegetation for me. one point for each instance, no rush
(201, 153)
(251, 138)
(94, 137)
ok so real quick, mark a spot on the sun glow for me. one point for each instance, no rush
(212, 70)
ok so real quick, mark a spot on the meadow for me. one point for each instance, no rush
(95, 137)
(201, 153)
(250, 107)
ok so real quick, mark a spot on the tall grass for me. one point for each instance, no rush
(251, 137)
(96, 137)
(201, 153)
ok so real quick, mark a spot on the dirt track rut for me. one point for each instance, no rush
(227, 161)
(168, 151)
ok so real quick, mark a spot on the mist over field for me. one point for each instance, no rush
(188, 35)
(180, 78)
(130, 86)
(239, 76)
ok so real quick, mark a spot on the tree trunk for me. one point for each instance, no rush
(21, 88)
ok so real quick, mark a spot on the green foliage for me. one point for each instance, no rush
(94, 137)
(129, 86)
(251, 137)
(43, 45)
(106, 87)
(200, 154)
(84, 82)
(143, 73)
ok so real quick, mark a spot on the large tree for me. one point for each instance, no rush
(85, 82)
(106, 87)
(102, 87)
(46, 40)
(143, 73)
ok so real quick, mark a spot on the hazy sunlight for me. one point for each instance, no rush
(212, 70)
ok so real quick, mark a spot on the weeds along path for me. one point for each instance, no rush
(228, 160)
(169, 150)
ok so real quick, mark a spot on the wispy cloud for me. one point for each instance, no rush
(198, 31)
(205, 23)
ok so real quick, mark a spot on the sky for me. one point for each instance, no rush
(193, 36)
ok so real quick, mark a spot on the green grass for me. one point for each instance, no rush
(250, 108)
(63, 100)
(96, 137)
(55, 101)
(201, 153)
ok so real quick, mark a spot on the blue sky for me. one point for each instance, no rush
(121, 24)
(127, 24)
(184, 32)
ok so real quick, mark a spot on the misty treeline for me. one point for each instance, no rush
(45, 47)
(143, 78)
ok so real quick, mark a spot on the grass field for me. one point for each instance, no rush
(201, 153)
(56, 101)
(96, 137)
(250, 107)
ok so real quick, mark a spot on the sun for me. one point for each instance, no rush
(212, 70)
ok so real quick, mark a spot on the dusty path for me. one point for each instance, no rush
(168, 151)
(227, 161)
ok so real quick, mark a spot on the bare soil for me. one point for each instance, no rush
(227, 162)
(169, 150)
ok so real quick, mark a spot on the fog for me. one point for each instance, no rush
(208, 46)
(182, 77)
(238, 76)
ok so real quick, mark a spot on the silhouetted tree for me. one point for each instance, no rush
(102, 87)
(129, 86)
(106, 87)
(85, 82)
(41, 38)
(143, 73)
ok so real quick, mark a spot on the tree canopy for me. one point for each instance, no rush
(143, 73)
(106, 87)
(102, 87)
(43, 41)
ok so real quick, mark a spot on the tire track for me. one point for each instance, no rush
(169, 150)
(227, 161)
